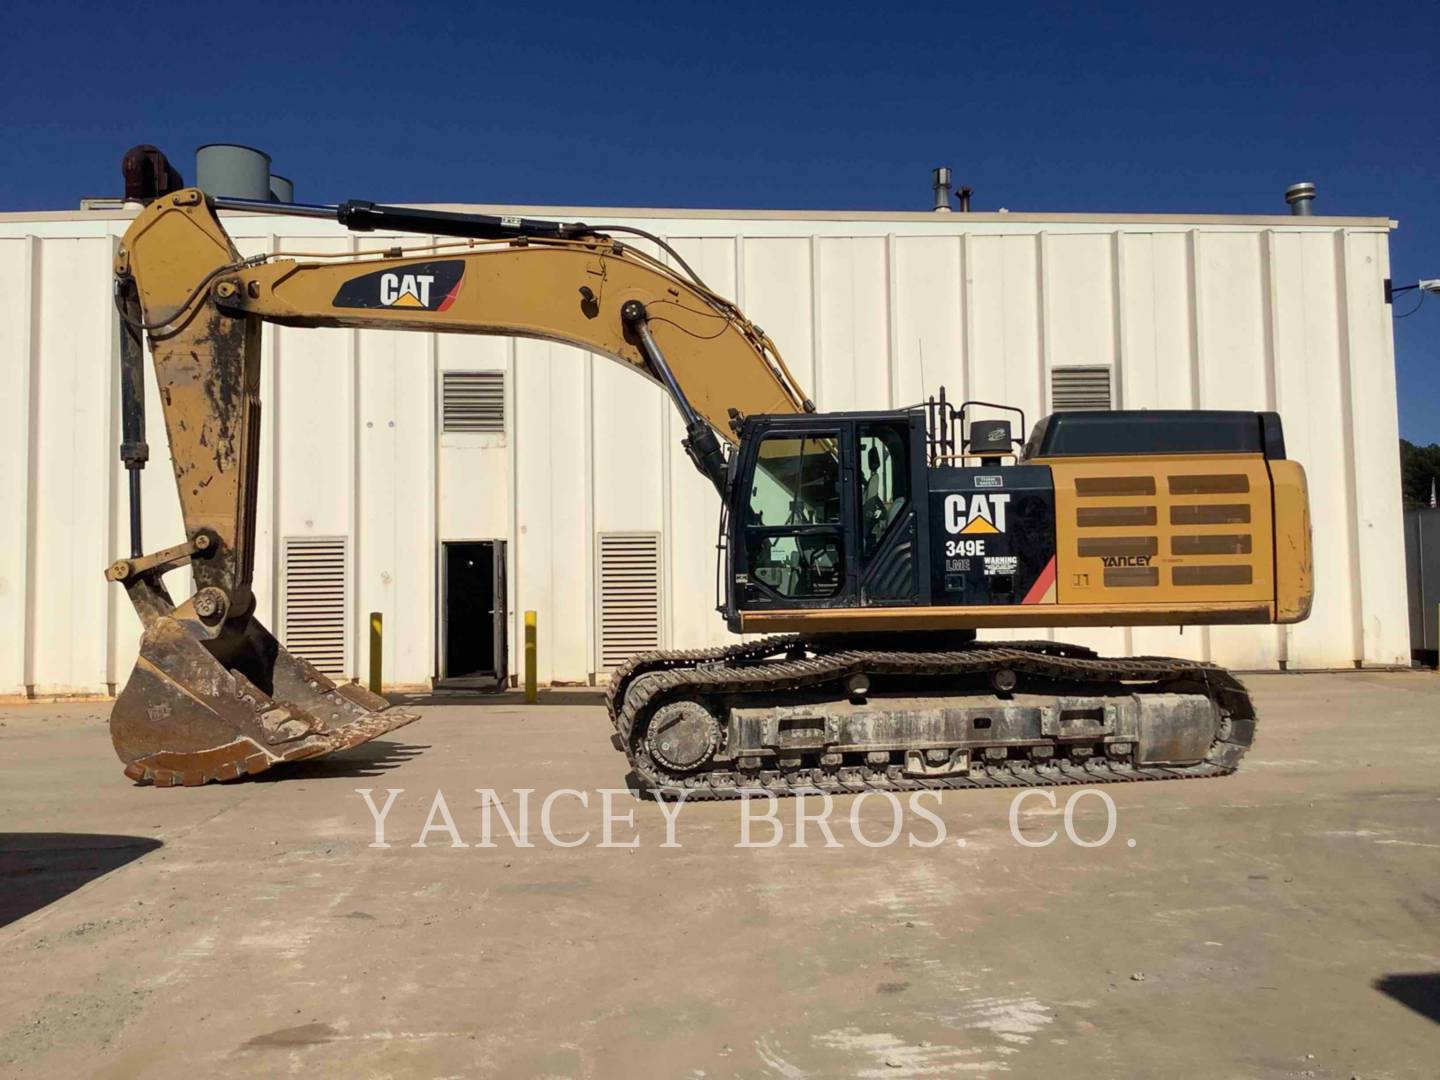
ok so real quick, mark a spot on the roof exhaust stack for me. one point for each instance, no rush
(1300, 196)
(941, 182)
(965, 194)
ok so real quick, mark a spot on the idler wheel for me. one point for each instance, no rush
(683, 735)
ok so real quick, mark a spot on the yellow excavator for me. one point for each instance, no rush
(868, 546)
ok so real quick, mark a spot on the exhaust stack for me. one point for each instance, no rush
(1300, 196)
(941, 183)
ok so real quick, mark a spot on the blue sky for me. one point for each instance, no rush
(1160, 107)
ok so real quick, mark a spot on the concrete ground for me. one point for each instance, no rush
(1284, 922)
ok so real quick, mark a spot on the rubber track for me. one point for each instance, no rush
(650, 680)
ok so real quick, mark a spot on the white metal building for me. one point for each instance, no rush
(381, 449)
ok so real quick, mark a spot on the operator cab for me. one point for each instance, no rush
(915, 507)
(823, 511)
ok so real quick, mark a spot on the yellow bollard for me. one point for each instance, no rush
(530, 657)
(376, 652)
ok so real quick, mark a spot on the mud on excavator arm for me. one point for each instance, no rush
(214, 695)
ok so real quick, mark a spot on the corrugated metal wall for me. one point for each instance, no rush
(870, 310)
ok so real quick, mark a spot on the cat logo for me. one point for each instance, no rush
(423, 286)
(978, 513)
(406, 290)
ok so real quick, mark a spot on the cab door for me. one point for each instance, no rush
(888, 533)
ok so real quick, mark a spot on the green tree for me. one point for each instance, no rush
(1419, 466)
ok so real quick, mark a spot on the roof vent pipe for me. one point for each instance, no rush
(1300, 196)
(965, 194)
(282, 189)
(225, 170)
(941, 182)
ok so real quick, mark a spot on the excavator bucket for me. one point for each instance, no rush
(217, 703)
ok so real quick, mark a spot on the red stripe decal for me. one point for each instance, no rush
(1042, 584)
(450, 296)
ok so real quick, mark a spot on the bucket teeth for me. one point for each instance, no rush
(185, 718)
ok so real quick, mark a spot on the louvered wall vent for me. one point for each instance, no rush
(1079, 388)
(314, 601)
(629, 573)
(473, 401)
